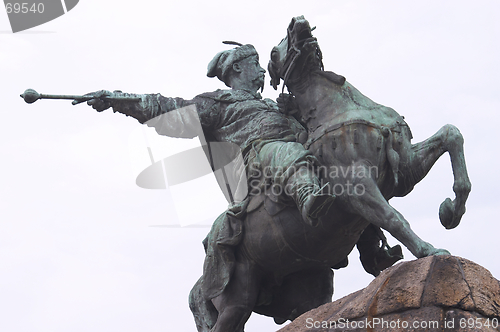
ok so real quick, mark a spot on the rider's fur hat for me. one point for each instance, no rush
(223, 61)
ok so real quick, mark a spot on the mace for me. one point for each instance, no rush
(30, 96)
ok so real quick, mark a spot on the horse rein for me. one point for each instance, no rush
(298, 53)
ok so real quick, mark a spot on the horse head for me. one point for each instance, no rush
(298, 53)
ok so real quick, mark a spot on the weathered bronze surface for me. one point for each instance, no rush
(339, 158)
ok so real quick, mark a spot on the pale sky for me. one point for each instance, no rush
(77, 250)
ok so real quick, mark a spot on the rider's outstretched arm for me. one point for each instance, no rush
(174, 117)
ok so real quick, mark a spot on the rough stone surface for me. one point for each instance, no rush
(437, 293)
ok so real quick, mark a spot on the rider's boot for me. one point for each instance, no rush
(312, 200)
(314, 204)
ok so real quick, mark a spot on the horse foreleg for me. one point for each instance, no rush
(423, 156)
(371, 205)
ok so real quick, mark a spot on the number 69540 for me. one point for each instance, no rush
(24, 8)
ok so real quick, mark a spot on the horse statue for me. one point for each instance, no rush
(272, 262)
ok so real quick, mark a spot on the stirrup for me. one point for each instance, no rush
(319, 207)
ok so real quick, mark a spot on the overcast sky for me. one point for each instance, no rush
(77, 248)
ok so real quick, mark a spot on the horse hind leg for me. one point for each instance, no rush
(236, 302)
(423, 156)
(298, 293)
(204, 312)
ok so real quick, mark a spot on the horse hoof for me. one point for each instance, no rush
(439, 252)
(446, 215)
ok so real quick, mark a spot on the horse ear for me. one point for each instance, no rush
(275, 77)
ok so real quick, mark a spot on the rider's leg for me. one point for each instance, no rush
(290, 167)
(305, 189)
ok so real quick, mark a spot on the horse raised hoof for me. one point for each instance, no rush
(447, 216)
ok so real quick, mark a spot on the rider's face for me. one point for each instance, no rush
(252, 72)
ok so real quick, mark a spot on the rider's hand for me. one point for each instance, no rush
(97, 100)
(287, 104)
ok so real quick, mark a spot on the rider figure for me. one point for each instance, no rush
(270, 141)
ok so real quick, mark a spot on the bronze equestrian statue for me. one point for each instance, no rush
(282, 267)
(273, 253)
(271, 146)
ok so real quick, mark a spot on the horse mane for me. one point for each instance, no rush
(331, 76)
(316, 67)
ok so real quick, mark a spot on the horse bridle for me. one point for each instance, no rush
(290, 62)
